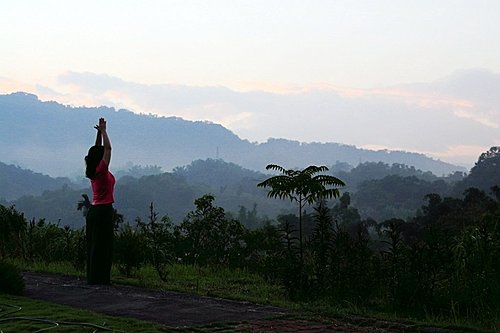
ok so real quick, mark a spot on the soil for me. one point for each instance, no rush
(178, 310)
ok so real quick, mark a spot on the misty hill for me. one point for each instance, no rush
(354, 176)
(173, 194)
(378, 190)
(54, 138)
(16, 182)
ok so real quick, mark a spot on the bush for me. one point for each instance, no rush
(11, 280)
(128, 249)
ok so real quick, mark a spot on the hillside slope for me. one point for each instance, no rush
(16, 182)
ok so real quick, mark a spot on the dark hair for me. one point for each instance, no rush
(92, 160)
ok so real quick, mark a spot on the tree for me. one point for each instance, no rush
(210, 237)
(321, 243)
(303, 186)
(12, 227)
(484, 174)
(344, 214)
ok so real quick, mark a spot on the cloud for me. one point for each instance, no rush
(9, 86)
(461, 151)
(461, 154)
(454, 118)
(486, 121)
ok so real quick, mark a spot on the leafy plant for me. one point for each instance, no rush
(321, 245)
(159, 241)
(302, 186)
(128, 249)
(12, 230)
(211, 238)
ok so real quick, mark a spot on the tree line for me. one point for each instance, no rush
(371, 185)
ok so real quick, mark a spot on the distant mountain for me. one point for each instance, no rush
(16, 182)
(54, 138)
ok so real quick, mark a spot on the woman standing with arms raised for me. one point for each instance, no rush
(99, 223)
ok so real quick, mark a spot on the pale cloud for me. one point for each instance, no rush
(476, 117)
(9, 86)
(271, 87)
(460, 154)
(462, 150)
(381, 147)
(463, 154)
(223, 113)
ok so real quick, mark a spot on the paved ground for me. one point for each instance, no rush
(170, 308)
(182, 310)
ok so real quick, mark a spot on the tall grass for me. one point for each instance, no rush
(238, 284)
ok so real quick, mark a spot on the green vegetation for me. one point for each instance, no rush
(370, 184)
(303, 187)
(439, 264)
(415, 269)
(173, 194)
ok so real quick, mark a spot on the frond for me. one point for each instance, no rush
(312, 169)
(276, 181)
(328, 180)
(325, 194)
(281, 195)
(295, 184)
(276, 167)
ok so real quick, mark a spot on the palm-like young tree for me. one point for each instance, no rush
(303, 186)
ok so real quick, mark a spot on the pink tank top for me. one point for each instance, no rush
(102, 185)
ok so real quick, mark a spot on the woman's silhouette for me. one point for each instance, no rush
(99, 223)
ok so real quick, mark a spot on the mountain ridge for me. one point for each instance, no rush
(56, 137)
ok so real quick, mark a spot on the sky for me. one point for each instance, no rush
(420, 76)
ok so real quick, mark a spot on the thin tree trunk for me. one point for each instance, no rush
(300, 230)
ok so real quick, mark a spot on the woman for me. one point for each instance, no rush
(99, 226)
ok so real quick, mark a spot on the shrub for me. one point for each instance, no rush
(159, 239)
(11, 280)
(128, 249)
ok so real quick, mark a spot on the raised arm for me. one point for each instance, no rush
(105, 140)
(98, 138)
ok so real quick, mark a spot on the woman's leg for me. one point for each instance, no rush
(90, 239)
(103, 244)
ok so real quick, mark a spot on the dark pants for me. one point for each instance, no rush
(99, 232)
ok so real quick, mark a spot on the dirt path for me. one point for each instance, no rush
(183, 310)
